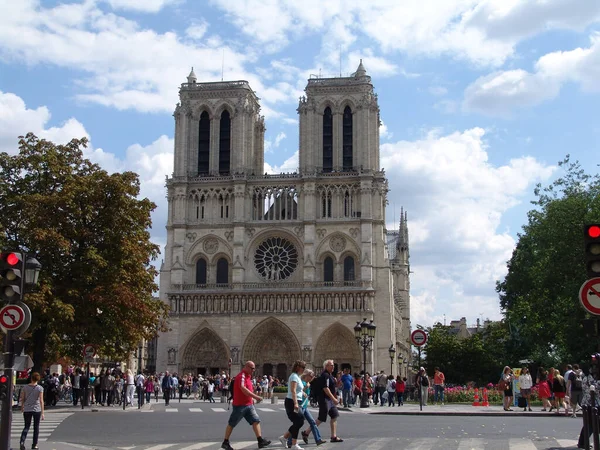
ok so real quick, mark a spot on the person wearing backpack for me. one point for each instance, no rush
(574, 386)
(423, 384)
(391, 391)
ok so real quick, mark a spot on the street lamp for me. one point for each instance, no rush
(400, 361)
(32, 271)
(364, 332)
(392, 352)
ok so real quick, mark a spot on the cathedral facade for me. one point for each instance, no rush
(278, 267)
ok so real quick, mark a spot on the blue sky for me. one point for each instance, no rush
(479, 101)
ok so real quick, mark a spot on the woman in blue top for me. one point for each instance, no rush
(293, 400)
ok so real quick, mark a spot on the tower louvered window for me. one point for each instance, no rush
(222, 271)
(225, 143)
(201, 271)
(327, 140)
(328, 269)
(204, 144)
(347, 139)
(349, 268)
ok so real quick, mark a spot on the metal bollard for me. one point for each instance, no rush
(223, 399)
(274, 400)
(587, 417)
(595, 429)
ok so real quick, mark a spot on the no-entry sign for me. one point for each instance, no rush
(89, 351)
(418, 337)
(589, 296)
(11, 317)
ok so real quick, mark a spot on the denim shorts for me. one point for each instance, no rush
(243, 412)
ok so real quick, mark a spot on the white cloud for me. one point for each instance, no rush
(197, 30)
(384, 133)
(148, 6)
(502, 92)
(459, 198)
(289, 165)
(120, 64)
(17, 120)
(438, 90)
(484, 32)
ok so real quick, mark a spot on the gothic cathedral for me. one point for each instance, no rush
(278, 267)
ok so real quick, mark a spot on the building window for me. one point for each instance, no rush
(327, 140)
(348, 268)
(328, 269)
(204, 144)
(201, 271)
(222, 271)
(326, 205)
(347, 139)
(225, 143)
(276, 259)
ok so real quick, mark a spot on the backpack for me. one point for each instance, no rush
(394, 385)
(316, 388)
(424, 380)
(577, 381)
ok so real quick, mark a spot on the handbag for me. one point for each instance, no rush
(502, 385)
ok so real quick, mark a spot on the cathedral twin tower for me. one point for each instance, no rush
(275, 268)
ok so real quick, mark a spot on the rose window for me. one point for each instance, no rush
(276, 259)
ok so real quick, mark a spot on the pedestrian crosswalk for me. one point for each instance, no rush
(47, 426)
(388, 444)
(216, 409)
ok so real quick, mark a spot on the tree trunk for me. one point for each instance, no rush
(39, 348)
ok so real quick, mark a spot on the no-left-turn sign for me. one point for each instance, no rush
(589, 296)
(11, 317)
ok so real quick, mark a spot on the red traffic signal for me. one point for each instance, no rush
(592, 249)
(3, 387)
(11, 272)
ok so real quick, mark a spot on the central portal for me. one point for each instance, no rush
(273, 348)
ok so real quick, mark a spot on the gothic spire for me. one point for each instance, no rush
(361, 71)
(192, 77)
(402, 243)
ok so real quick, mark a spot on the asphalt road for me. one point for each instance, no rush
(199, 426)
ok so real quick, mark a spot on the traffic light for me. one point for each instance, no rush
(3, 387)
(11, 272)
(592, 249)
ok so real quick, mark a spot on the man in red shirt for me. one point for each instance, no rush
(243, 406)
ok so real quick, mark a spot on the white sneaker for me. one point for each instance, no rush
(296, 447)
(283, 441)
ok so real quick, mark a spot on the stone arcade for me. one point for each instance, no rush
(275, 268)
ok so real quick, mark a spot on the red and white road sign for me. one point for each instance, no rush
(12, 317)
(418, 337)
(589, 296)
(89, 351)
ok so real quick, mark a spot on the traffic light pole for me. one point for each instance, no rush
(6, 415)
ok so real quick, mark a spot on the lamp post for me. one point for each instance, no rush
(400, 361)
(364, 332)
(32, 272)
(392, 352)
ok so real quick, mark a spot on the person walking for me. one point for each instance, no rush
(167, 385)
(327, 399)
(292, 403)
(347, 383)
(32, 407)
(130, 385)
(243, 406)
(400, 388)
(422, 382)
(391, 391)
(307, 377)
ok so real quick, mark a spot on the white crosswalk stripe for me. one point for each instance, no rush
(388, 444)
(47, 426)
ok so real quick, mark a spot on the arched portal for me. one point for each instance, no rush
(273, 347)
(337, 342)
(205, 353)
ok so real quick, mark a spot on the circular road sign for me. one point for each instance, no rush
(89, 351)
(589, 296)
(418, 337)
(26, 322)
(11, 317)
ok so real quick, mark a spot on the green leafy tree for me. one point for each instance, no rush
(539, 294)
(90, 233)
(443, 350)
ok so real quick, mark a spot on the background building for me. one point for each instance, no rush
(275, 268)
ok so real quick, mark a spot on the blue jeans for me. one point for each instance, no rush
(438, 392)
(313, 426)
(346, 397)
